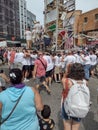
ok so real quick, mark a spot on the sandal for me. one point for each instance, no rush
(49, 92)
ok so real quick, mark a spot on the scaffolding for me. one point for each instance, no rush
(59, 21)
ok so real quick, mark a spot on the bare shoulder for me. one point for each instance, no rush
(66, 81)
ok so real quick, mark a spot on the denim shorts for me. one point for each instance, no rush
(66, 117)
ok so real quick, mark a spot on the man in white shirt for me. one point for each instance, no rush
(87, 65)
(38, 29)
(57, 69)
(28, 35)
(19, 57)
(49, 69)
(70, 58)
(93, 59)
(34, 35)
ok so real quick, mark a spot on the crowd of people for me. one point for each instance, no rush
(36, 37)
(45, 68)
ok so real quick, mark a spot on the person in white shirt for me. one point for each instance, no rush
(57, 69)
(8, 56)
(28, 35)
(19, 57)
(38, 29)
(49, 69)
(93, 59)
(70, 58)
(87, 65)
(33, 57)
(34, 35)
(62, 57)
(26, 65)
(78, 57)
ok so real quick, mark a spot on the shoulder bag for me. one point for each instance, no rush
(42, 63)
(1, 122)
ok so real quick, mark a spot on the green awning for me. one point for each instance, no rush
(52, 27)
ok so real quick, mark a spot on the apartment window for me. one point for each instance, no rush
(96, 16)
(85, 20)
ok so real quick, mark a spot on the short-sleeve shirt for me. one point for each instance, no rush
(40, 68)
(46, 125)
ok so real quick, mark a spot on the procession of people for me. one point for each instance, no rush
(42, 67)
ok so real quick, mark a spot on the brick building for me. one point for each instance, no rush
(86, 27)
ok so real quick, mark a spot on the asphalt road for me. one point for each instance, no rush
(89, 123)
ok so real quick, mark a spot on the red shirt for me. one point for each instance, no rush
(40, 68)
(12, 56)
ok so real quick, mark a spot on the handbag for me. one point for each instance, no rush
(1, 122)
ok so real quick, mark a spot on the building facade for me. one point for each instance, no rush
(87, 27)
(7, 19)
(22, 17)
(17, 20)
(31, 18)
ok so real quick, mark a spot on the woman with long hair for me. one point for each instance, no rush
(74, 72)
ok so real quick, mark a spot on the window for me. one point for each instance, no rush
(96, 16)
(85, 20)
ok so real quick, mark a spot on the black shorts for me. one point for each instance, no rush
(31, 67)
(26, 68)
(49, 73)
(92, 67)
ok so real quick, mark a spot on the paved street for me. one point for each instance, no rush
(89, 123)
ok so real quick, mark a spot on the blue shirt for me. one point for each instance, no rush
(24, 116)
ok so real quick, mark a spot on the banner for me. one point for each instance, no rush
(51, 16)
(3, 44)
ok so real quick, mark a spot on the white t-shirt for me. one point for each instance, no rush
(8, 55)
(87, 60)
(69, 59)
(37, 27)
(28, 35)
(78, 59)
(62, 61)
(33, 33)
(19, 57)
(57, 61)
(93, 59)
(50, 64)
(33, 58)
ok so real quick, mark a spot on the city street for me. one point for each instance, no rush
(89, 123)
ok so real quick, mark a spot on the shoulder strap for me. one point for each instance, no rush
(73, 81)
(42, 63)
(12, 110)
(84, 81)
(65, 91)
(78, 82)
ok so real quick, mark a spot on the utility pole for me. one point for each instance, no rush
(57, 12)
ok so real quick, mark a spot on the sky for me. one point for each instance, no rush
(37, 7)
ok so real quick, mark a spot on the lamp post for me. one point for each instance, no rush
(57, 11)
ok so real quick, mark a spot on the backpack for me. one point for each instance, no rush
(77, 102)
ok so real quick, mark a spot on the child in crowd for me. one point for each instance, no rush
(45, 122)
